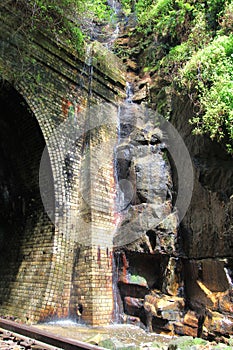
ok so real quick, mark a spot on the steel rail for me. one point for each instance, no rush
(22, 341)
(47, 337)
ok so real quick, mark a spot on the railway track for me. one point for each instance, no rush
(16, 336)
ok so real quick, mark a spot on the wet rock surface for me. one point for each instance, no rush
(149, 272)
(206, 231)
(195, 263)
(204, 242)
(131, 337)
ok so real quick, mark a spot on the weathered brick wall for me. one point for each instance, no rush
(56, 267)
(27, 232)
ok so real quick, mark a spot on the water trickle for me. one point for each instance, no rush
(87, 70)
(114, 22)
(118, 307)
(115, 5)
(228, 277)
(126, 122)
(88, 55)
(89, 67)
(129, 92)
(64, 323)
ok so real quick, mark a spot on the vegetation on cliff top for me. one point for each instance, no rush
(190, 45)
(68, 21)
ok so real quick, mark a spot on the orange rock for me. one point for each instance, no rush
(190, 319)
(218, 323)
(225, 302)
(182, 329)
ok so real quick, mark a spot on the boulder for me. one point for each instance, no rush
(217, 323)
(164, 307)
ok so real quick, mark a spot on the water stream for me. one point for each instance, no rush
(228, 276)
(126, 118)
(124, 188)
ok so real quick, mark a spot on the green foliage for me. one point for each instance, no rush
(187, 342)
(138, 6)
(192, 46)
(127, 6)
(215, 8)
(113, 344)
(157, 12)
(161, 16)
(68, 21)
(209, 73)
(136, 279)
(97, 10)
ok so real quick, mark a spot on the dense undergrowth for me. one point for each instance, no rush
(69, 22)
(187, 43)
(190, 44)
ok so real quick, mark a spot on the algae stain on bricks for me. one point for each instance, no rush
(53, 271)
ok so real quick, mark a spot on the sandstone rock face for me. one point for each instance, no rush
(205, 235)
(149, 272)
(195, 264)
(163, 306)
(144, 202)
(206, 231)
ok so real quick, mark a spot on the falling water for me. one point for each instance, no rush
(114, 21)
(115, 5)
(228, 277)
(125, 122)
(118, 307)
(87, 69)
(124, 190)
(129, 92)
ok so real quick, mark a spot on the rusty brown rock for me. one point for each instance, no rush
(182, 329)
(161, 306)
(191, 319)
(217, 323)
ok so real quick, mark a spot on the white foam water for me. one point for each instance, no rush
(65, 323)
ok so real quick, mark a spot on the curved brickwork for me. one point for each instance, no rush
(53, 271)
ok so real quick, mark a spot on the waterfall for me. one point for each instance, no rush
(114, 22)
(228, 277)
(88, 68)
(129, 92)
(118, 307)
(115, 5)
(124, 189)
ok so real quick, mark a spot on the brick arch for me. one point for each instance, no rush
(62, 90)
(30, 244)
(46, 259)
(66, 200)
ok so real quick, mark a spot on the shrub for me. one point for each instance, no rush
(209, 73)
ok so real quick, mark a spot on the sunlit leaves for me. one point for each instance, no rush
(66, 20)
(209, 71)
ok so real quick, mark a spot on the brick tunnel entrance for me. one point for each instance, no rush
(24, 226)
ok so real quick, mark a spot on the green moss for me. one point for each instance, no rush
(209, 72)
(136, 279)
(190, 45)
(186, 342)
(67, 21)
(116, 345)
